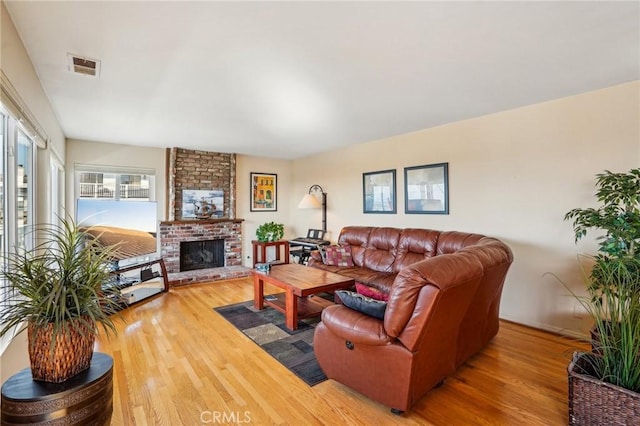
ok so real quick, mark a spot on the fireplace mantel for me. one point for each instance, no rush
(200, 221)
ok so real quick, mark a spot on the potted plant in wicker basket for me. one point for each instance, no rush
(56, 290)
(604, 385)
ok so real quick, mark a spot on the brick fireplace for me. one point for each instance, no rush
(172, 233)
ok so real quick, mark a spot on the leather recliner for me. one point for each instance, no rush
(441, 310)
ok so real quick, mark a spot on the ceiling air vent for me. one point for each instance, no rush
(84, 66)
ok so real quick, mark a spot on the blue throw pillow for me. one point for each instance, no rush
(364, 304)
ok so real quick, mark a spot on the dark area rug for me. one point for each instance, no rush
(294, 349)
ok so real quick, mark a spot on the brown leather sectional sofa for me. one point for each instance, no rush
(444, 298)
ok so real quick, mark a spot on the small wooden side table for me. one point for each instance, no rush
(85, 399)
(262, 245)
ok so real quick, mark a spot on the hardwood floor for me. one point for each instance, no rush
(177, 362)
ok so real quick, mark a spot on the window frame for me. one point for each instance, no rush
(118, 172)
(10, 139)
(56, 176)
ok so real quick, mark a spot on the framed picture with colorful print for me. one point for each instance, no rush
(426, 189)
(264, 192)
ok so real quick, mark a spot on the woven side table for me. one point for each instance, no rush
(86, 398)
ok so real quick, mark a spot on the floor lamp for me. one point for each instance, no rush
(310, 201)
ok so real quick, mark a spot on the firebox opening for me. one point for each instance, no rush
(201, 254)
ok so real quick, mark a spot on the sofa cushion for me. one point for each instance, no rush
(452, 241)
(360, 303)
(381, 281)
(338, 256)
(356, 237)
(415, 245)
(380, 252)
(371, 292)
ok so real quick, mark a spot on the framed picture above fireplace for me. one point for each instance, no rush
(264, 195)
(202, 204)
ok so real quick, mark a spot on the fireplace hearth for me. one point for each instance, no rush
(173, 233)
(201, 254)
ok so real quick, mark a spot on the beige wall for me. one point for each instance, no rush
(512, 175)
(116, 155)
(17, 67)
(246, 164)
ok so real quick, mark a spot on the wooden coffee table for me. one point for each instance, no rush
(300, 283)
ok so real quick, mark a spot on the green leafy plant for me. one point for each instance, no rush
(613, 303)
(619, 215)
(613, 285)
(58, 286)
(270, 231)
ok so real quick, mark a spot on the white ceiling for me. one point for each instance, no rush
(289, 79)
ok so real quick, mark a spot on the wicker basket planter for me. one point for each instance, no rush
(72, 354)
(594, 402)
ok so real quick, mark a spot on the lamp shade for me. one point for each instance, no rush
(309, 202)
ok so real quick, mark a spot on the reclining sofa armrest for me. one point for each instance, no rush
(355, 326)
(435, 292)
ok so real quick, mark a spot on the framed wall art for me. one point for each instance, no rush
(379, 192)
(264, 192)
(426, 189)
(202, 204)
